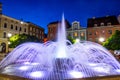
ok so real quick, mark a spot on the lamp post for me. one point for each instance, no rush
(9, 35)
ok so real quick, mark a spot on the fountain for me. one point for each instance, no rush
(59, 61)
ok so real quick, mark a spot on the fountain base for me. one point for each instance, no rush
(11, 77)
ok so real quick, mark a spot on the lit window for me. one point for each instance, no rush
(82, 34)
(102, 24)
(75, 34)
(109, 24)
(95, 25)
(103, 32)
(30, 28)
(96, 33)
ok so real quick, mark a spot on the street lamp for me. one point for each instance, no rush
(9, 35)
(21, 22)
(101, 39)
(77, 40)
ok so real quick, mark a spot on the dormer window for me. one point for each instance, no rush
(102, 24)
(95, 25)
(75, 26)
(109, 24)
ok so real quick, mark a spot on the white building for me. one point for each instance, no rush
(76, 31)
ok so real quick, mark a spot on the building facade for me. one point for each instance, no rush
(10, 26)
(35, 30)
(76, 31)
(53, 27)
(101, 28)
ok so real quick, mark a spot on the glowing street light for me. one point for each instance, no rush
(9, 34)
(8, 42)
(21, 22)
(77, 40)
(101, 39)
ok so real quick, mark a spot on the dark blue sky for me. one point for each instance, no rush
(42, 12)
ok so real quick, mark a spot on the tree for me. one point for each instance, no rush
(113, 42)
(71, 39)
(21, 38)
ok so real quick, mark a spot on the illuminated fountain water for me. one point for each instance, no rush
(58, 61)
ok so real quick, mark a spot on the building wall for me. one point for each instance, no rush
(35, 30)
(76, 31)
(95, 33)
(11, 26)
(52, 31)
(101, 27)
(53, 27)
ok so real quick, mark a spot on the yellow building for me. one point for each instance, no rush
(10, 26)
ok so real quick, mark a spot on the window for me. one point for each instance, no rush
(31, 33)
(40, 32)
(103, 32)
(20, 29)
(11, 26)
(109, 24)
(25, 30)
(75, 26)
(102, 24)
(30, 28)
(95, 25)
(82, 34)
(33, 29)
(89, 33)
(96, 40)
(51, 35)
(16, 28)
(90, 39)
(110, 31)
(36, 30)
(75, 34)
(69, 34)
(5, 25)
(4, 35)
(96, 32)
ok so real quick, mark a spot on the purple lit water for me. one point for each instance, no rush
(58, 61)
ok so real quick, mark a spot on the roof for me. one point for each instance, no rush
(35, 25)
(107, 19)
(57, 22)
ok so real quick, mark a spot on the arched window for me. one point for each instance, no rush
(4, 35)
(16, 28)
(11, 26)
(20, 29)
(25, 30)
(5, 25)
